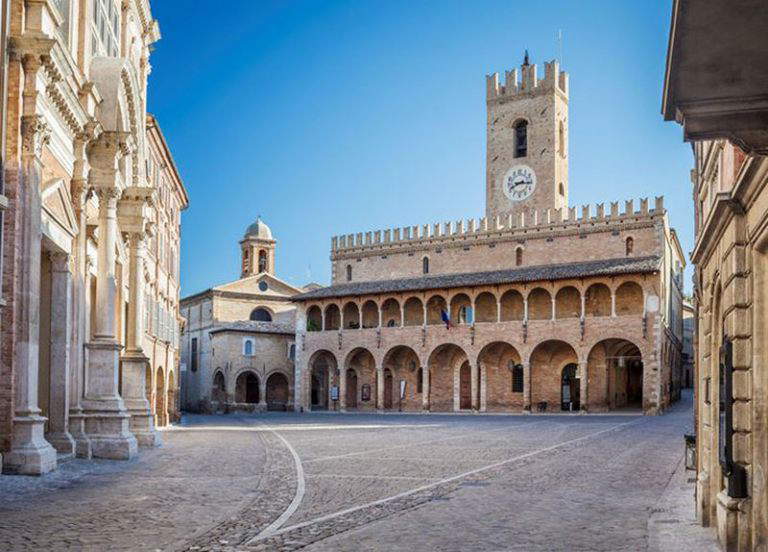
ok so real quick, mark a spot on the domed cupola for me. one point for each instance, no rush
(258, 249)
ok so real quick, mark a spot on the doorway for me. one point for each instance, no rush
(465, 387)
(388, 382)
(570, 388)
(351, 388)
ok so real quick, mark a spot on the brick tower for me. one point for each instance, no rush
(527, 141)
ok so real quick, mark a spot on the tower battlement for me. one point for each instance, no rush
(554, 78)
(573, 217)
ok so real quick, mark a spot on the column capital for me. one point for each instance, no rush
(35, 133)
(59, 261)
(108, 196)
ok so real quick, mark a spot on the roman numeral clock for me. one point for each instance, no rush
(519, 183)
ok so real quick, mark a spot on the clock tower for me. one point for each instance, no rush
(527, 141)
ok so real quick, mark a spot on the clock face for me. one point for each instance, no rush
(519, 182)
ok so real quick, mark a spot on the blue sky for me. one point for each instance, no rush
(336, 117)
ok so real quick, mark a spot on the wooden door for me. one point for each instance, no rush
(351, 389)
(387, 389)
(465, 387)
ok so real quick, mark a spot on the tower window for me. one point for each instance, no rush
(630, 246)
(425, 265)
(262, 261)
(349, 273)
(561, 190)
(521, 138)
(248, 347)
(519, 256)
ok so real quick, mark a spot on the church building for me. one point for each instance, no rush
(537, 306)
(237, 348)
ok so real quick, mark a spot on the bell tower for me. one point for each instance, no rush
(527, 141)
(257, 250)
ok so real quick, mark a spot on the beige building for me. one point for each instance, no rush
(716, 89)
(238, 341)
(536, 306)
(91, 201)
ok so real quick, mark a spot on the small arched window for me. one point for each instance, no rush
(629, 246)
(248, 347)
(519, 256)
(261, 314)
(349, 273)
(262, 261)
(425, 265)
(521, 138)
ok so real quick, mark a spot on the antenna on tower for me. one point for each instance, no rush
(560, 45)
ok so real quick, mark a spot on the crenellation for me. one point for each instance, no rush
(614, 209)
(585, 215)
(600, 211)
(644, 206)
(629, 208)
(528, 82)
(377, 236)
(659, 204)
(387, 236)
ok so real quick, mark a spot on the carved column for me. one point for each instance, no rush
(30, 453)
(60, 358)
(527, 386)
(584, 386)
(80, 302)
(108, 421)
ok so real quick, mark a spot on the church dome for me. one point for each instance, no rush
(259, 230)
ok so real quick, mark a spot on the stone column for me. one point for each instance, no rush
(61, 329)
(474, 387)
(527, 386)
(107, 422)
(583, 305)
(554, 308)
(380, 388)
(425, 389)
(343, 390)
(134, 361)
(584, 386)
(613, 302)
(262, 396)
(498, 310)
(80, 301)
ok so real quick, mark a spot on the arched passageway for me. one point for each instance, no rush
(403, 362)
(389, 382)
(616, 375)
(360, 380)
(443, 364)
(465, 387)
(548, 360)
(247, 388)
(500, 366)
(322, 368)
(570, 388)
(173, 408)
(277, 392)
(219, 389)
(161, 413)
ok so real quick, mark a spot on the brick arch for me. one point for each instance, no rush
(350, 317)
(413, 311)
(548, 359)
(332, 315)
(458, 301)
(616, 374)
(391, 311)
(512, 304)
(247, 386)
(277, 390)
(630, 298)
(597, 299)
(486, 306)
(539, 304)
(435, 303)
(404, 363)
(314, 318)
(321, 366)
(443, 363)
(568, 302)
(495, 362)
(369, 310)
(363, 363)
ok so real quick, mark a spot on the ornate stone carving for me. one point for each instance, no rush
(35, 133)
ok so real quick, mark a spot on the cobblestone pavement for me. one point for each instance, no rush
(363, 482)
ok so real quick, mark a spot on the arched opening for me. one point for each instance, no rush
(629, 246)
(629, 299)
(351, 392)
(548, 359)
(314, 319)
(486, 307)
(260, 314)
(219, 390)
(539, 305)
(465, 387)
(568, 303)
(461, 309)
(247, 388)
(161, 413)
(521, 138)
(570, 388)
(277, 392)
(370, 314)
(498, 361)
(597, 300)
(262, 261)
(349, 273)
(388, 388)
(443, 365)
(413, 311)
(404, 364)
(615, 368)
(332, 317)
(512, 306)
(436, 305)
(360, 373)
(390, 313)
(322, 367)
(248, 347)
(519, 256)
(351, 316)
(425, 265)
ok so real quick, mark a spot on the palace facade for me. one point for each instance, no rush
(538, 306)
(90, 205)
(717, 91)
